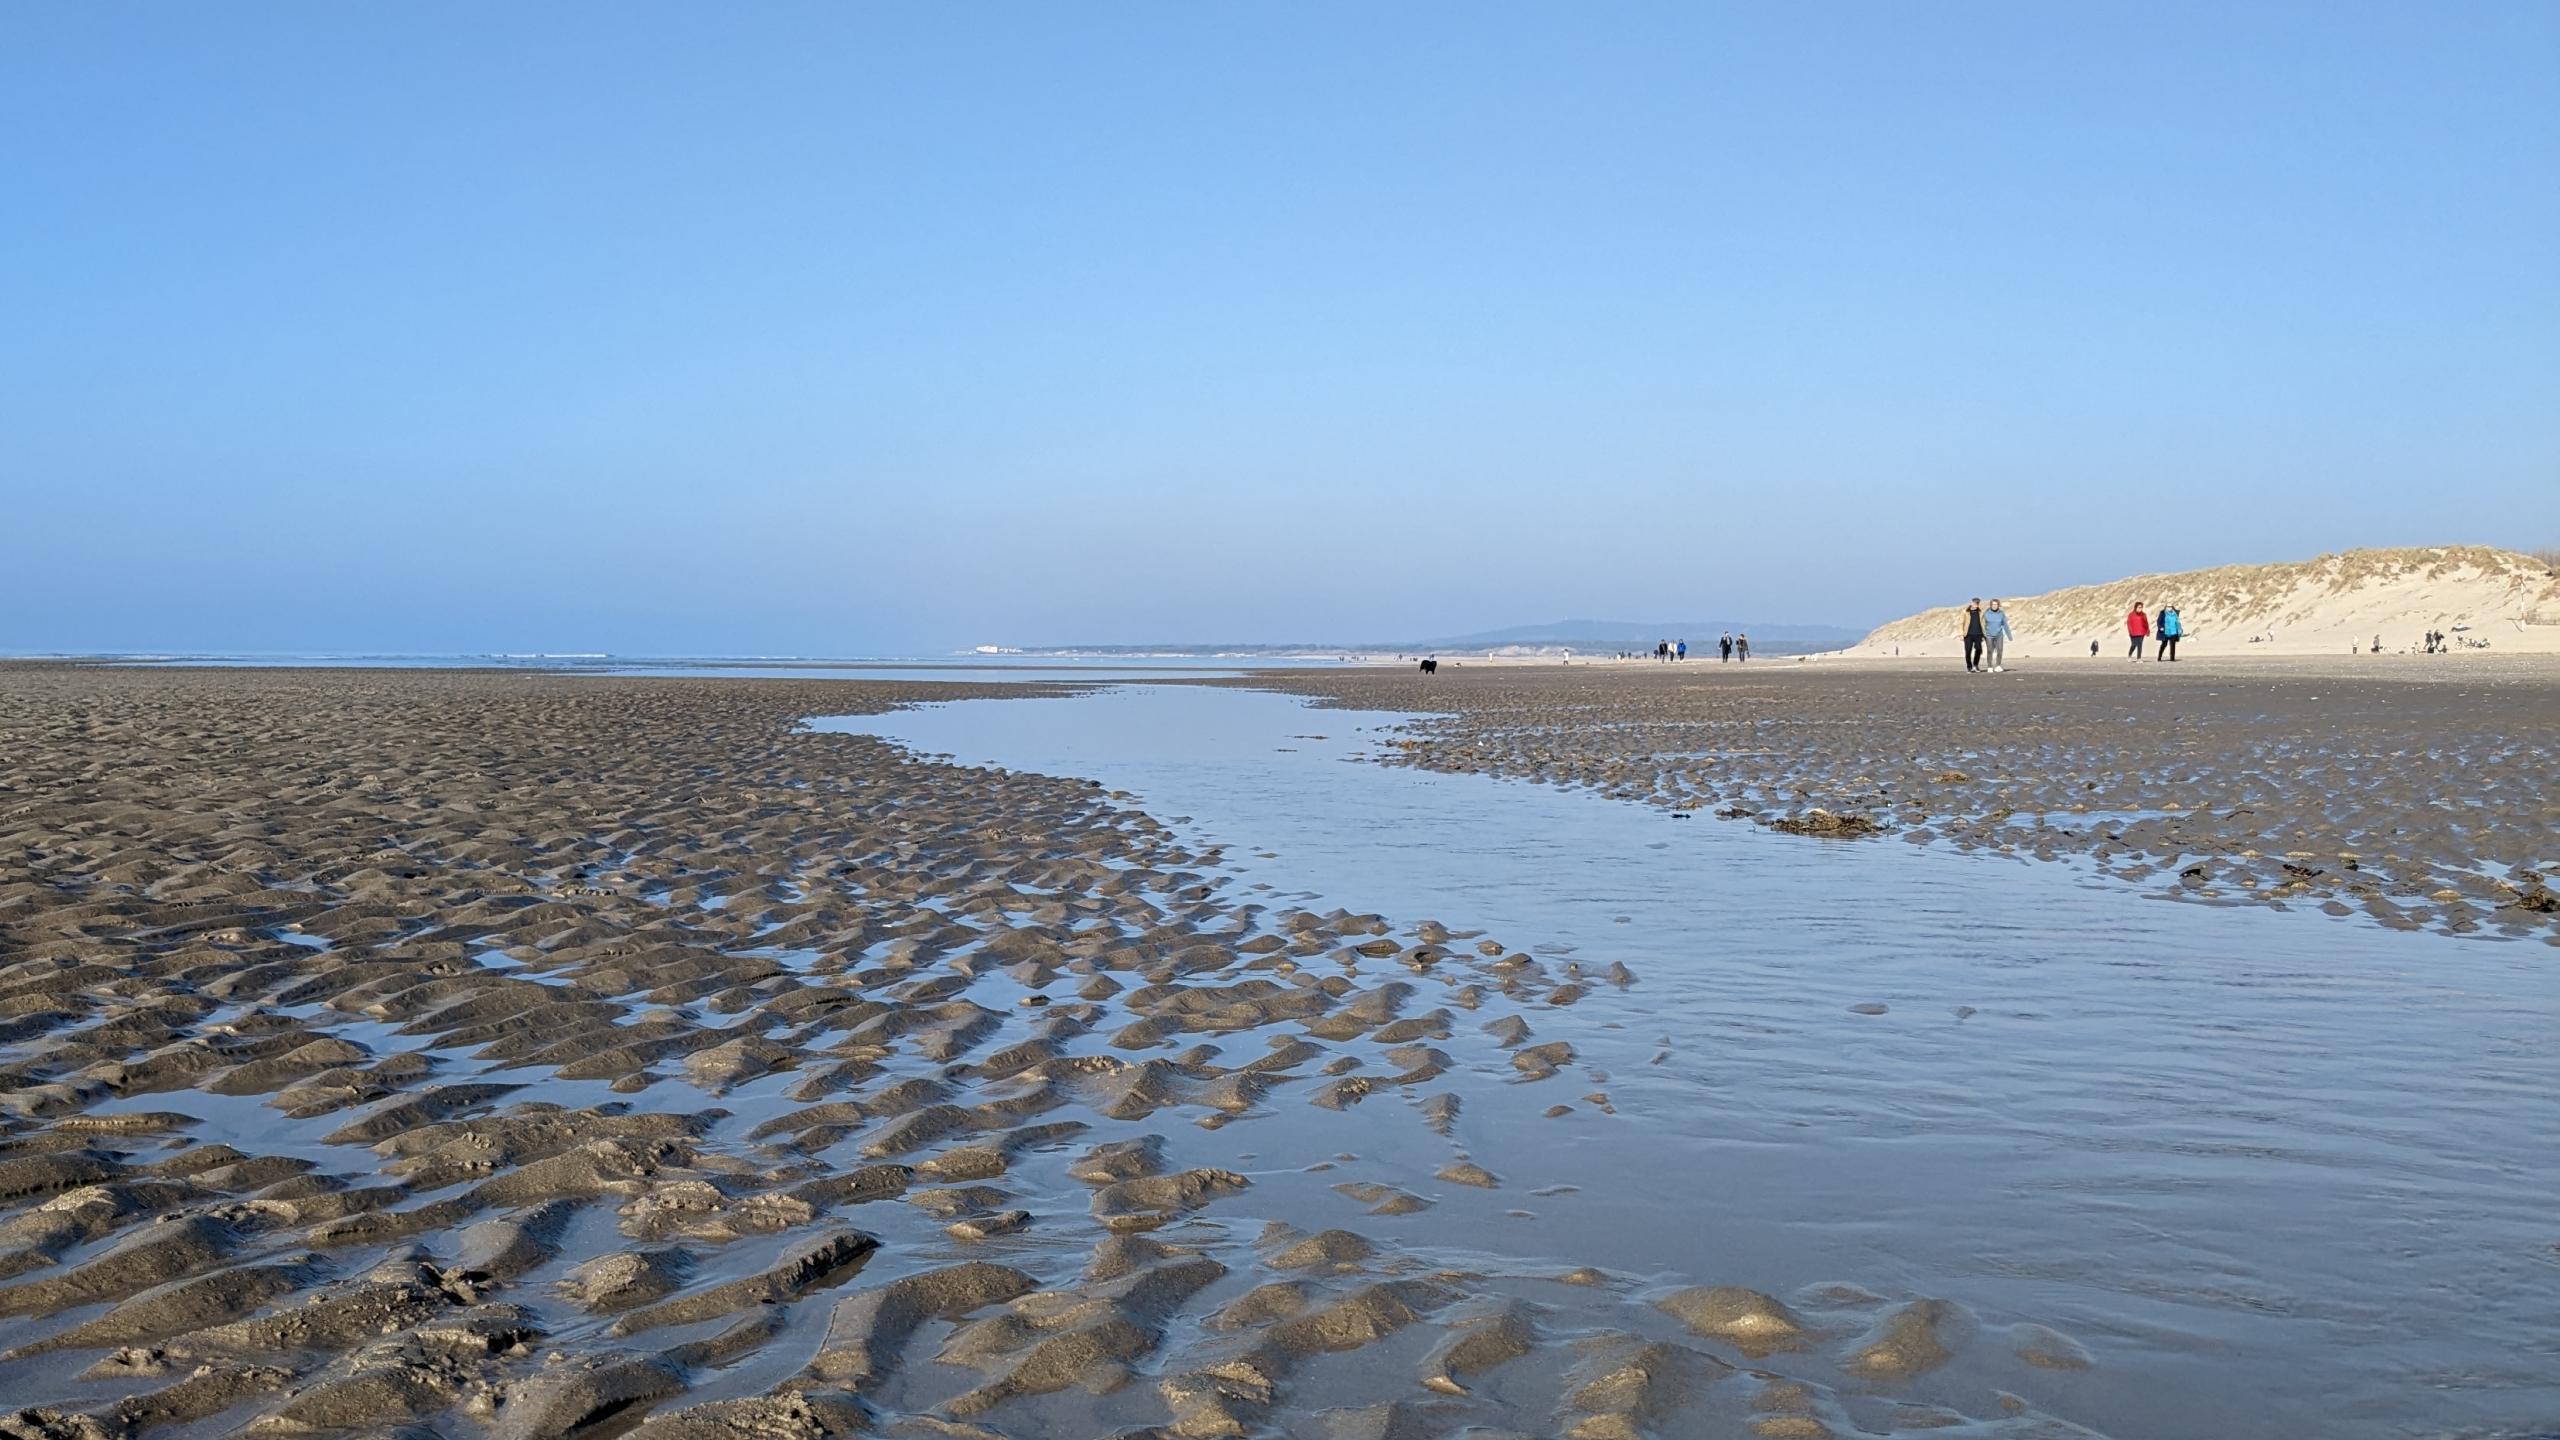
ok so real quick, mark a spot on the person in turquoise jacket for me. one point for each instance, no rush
(2171, 627)
(1995, 637)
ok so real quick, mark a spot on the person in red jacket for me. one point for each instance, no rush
(2136, 625)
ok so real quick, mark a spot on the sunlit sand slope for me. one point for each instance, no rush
(2324, 605)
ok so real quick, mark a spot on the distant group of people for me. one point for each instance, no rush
(1987, 632)
(2438, 642)
(2163, 626)
(1730, 646)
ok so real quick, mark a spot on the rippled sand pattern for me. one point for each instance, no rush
(2414, 792)
(525, 1056)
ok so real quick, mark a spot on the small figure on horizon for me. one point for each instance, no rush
(2137, 627)
(1973, 636)
(1995, 638)
(1727, 643)
(1741, 647)
(1684, 651)
(2093, 649)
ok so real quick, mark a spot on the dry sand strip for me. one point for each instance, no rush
(462, 1054)
(2414, 790)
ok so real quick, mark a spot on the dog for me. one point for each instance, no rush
(1431, 667)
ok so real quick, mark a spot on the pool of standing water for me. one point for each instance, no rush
(2282, 1174)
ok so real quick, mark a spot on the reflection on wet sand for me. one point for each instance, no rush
(550, 1057)
(2416, 796)
(2006, 1084)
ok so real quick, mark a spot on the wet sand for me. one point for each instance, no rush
(461, 1053)
(438, 1053)
(2412, 790)
(2277, 1172)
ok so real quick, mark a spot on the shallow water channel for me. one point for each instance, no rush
(2281, 1174)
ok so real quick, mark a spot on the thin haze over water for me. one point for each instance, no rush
(825, 328)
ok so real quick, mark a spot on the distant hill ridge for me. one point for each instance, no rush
(2321, 605)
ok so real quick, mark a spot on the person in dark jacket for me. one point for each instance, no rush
(1973, 636)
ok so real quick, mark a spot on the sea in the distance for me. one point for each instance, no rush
(973, 667)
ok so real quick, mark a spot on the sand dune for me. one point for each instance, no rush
(2318, 606)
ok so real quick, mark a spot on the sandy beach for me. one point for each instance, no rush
(456, 1054)
(1612, 722)
(2478, 601)
(2411, 789)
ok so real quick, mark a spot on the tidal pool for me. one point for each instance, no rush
(2282, 1174)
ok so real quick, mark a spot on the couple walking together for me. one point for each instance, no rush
(2167, 627)
(1986, 638)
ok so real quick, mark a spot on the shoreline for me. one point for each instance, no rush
(502, 1053)
(506, 1053)
(2350, 786)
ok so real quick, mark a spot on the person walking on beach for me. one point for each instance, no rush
(2137, 626)
(2171, 627)
(1995, 637)
(1973, 636)
(1684, 650)
(1727, 643)
(1741, 647)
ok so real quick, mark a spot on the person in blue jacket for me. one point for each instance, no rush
(1995, 637)
(2171, 627)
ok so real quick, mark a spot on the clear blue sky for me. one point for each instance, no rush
(841, 328)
